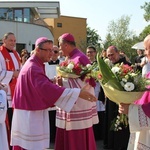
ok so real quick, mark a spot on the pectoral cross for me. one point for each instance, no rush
(7, 62)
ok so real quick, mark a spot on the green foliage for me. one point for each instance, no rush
(107, 74)
(146, 7)
(82, 45)
(108, 42)
(144, 33)
(120, 36)
(93, 38)
(119, 31)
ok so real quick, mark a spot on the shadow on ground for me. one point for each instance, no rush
(98, 143)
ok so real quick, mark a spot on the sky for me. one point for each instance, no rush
(100, 13)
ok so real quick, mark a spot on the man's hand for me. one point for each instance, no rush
(87, 96)
(123, 108)
(4, 87)
(16, 73)
(58, 80)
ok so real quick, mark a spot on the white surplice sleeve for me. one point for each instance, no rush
(137, 119)
(67, 99)
(3, 109)
(3, 106)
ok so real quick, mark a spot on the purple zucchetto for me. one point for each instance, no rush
(67, 37)
(40, 40)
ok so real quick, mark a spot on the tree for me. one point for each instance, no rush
(93, 38)
(108, 42)
(144, 33)
(120, 32)
(146, 7)
(120, 36)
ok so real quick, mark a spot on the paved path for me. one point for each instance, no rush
(98, 143)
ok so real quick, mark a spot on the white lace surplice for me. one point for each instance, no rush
(139, 128)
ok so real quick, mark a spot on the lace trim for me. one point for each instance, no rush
(142, 118)
(141, 146)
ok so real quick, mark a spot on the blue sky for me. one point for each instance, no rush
(99, 13)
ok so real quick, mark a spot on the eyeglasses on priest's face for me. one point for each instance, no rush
(47, 50)
(90, 52)
(110, 55)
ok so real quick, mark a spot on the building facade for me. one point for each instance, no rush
(73, 25)
(29, 20)
(25, 20)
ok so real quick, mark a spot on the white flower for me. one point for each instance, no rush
(124, 79)
(122, 83)
(120, 128)
(118, 117)
(70, 66)
(117, 122)
(115, 70)
(129, 86)
(116, 125)
(88, 65)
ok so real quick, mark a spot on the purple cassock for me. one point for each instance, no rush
(76, 126)
(34, 91)
(145, 100)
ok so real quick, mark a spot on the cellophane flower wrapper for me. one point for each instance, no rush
(113, 88)
(66, 75)
(115, 91)
(120, 96)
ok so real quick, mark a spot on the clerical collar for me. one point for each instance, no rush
(53, 62)
(10, 51)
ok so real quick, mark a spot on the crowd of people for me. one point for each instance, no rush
(38, 108)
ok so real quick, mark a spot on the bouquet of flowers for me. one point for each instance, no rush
(121, 85)
(71, 70)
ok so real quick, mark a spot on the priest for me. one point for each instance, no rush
(139, 116)
(34, 94)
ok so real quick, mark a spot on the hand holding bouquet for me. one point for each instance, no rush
(121, 85)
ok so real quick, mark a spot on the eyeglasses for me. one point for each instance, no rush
(56, 52)
(89, 52)
(110, 55)
(47, 50)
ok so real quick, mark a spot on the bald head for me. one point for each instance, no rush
(147, 42)
(113, 54)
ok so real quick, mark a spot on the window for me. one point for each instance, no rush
(6, 14)
(59, 24)
(16, 14)
(26, 15)
(19, 47)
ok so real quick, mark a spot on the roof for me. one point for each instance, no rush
(41, 9)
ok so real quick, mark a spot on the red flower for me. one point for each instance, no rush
(64, 64)
(99, 76)
(77, 69)
(126, 69)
